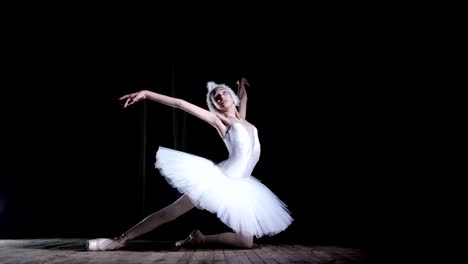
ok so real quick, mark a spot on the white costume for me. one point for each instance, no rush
(228, 189)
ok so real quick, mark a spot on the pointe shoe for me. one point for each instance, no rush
(102, 244)
(180, 243)
(195, 237)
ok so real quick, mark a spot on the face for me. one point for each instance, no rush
(221, 98)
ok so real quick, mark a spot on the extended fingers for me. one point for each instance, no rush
(127, 103)
(124, 97)
(132, 95)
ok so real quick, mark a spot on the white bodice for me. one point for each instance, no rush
(244, 152)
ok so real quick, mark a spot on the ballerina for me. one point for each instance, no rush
(226, 189)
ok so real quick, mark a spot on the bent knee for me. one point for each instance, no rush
(248, 245)
(246, 242)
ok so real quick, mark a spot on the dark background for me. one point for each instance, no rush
(334, 124)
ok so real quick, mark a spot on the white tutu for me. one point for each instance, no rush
(244, 204)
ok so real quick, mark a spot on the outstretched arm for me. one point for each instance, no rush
(199, 112)
(242, 93)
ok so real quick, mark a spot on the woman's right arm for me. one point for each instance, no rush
(190, 108)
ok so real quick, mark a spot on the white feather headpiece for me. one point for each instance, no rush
(209, 101)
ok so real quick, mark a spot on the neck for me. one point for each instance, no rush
(232, 113)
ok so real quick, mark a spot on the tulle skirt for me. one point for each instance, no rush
(243, 204)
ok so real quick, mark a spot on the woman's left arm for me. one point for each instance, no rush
(242, 93)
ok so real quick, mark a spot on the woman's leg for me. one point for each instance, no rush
(167, 214)
(228, 239)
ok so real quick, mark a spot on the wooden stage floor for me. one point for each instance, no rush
(73, 251)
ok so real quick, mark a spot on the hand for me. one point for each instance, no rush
(133, 98)
(244, 81)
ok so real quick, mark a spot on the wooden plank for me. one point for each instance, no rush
(218, 256)
(202, 256)
(266, 254)
(292, 257)
(253, 257)
(241, 257)
(186, 257)
(230, 257)
(302, 254)
(331, 253)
